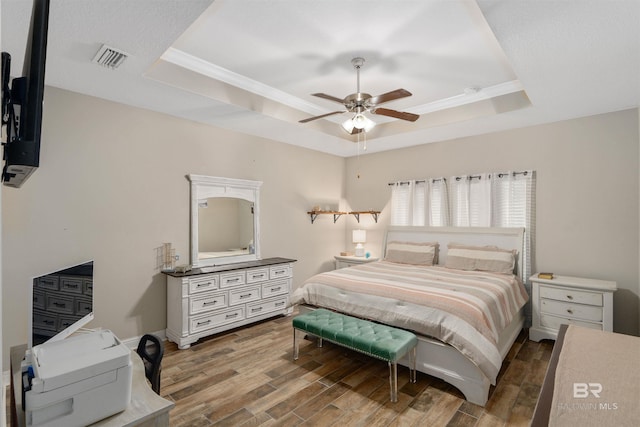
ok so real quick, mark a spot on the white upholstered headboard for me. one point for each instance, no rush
(506, 238)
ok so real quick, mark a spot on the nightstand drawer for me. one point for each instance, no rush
(574, 311)
(554, 322)
(571, 295)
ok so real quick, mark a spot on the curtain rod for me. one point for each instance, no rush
(458, 178)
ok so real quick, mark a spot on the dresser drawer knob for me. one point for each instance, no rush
(210, 302)
(203, 284)
(569, 296)
(276, 289)
(231, 316)
(253, 310)
(206, 322)
(245, 296)
(569, 311)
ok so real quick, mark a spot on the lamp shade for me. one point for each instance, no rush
(359, 236)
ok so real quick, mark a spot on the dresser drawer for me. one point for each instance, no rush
(228, 280)
(571, 295)
(47, 282)
(66, 321)
(87, 286)
(59, 304)
(272, 289)
(38, 299)
(203, 283)
(257, 275)
(575, 311)
(207, 302)
(279, 271)
(216, 319)
(554, 322)
(71, 285)
(266, 306)
(240, 296)
(83, 306)
(44, 320)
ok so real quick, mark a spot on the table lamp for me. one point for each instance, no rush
(359, 237)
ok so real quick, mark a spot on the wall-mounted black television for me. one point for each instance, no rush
(22, 102)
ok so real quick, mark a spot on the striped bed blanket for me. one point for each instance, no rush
(465, 309)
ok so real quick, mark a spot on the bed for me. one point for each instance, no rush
(472, 319)
(593, 379)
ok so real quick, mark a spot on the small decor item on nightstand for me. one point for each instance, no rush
(359, 237)
(546, 276)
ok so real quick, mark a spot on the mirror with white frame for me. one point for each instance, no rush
(225, 221)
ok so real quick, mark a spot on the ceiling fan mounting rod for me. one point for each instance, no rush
(357, 62)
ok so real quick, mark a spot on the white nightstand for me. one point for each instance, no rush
(348, 261)
(570, 300)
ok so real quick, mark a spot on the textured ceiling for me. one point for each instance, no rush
(251, 65)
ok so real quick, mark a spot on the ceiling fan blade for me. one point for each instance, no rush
(396, 114)
(389, 96)
(329, 97)
(321, 116)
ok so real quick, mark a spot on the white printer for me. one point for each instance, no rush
(76, 381)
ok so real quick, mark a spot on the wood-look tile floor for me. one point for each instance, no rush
(247, 377)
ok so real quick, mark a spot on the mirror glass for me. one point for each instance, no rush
(225, 227)
(224, 220)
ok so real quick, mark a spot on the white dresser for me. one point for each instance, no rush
(209, 300)
(570, 300)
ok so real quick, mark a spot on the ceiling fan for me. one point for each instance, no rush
(359, 103)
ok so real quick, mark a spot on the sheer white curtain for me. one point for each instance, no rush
(513, 205)
(470, 200)
(438, 202)
(408, 202)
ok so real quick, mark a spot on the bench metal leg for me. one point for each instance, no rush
(393, 380)
(295, 344)
(412, 365)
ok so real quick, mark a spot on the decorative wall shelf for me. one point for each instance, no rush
(374, 214)
(337, 214)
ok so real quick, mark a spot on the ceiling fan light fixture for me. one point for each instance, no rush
(359, 121)
(348, 126)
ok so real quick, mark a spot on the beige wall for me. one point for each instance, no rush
(112, 187)
(587, 193)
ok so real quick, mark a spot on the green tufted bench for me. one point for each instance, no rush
(380, 341)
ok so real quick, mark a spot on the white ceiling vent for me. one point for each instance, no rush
(110, 57)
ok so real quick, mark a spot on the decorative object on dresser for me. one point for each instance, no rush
(209, 300)
(570, 300)
(344, 261)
